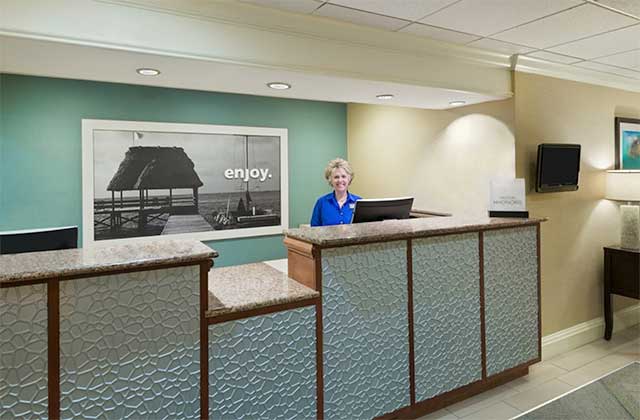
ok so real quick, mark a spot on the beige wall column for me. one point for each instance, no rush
(549, 110)
(444, 158)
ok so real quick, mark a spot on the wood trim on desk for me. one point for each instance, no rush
(204, 339)
(298, 246)
(53, 348)
(302, 269)
(412, 357)
(302, 258)
(319, 363)
(483, 330)
(539, 293)
(448, 398)
(234, 316)
(319, 338)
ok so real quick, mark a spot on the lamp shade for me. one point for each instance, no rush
(623, 185)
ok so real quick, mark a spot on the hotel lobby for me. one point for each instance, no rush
(161, 161)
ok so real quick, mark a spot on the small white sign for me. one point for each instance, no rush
(507, 195)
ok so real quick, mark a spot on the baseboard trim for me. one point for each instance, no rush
(586, 332)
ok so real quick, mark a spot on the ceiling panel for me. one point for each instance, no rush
(580, 22)
(629, 59)
(600, 45)
(404, 9)
(438, 33)
(609, 69)
(628, 6)
(359, 17)
(556, 58)
(486, 17)
(297, 6)
(499, 46)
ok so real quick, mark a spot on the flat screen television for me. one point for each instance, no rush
(558, 167)
(376, 210)
(19, 241)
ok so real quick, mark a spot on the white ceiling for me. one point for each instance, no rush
(601, 35)
(64, 60)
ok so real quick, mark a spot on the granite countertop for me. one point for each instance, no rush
(252, 286)
(338, 235)
(31, 266)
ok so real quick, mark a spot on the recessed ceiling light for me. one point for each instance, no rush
(148, 72)
(457, 103)
(279, 85)
(385, 96)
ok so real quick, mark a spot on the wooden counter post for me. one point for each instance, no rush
(303, 263)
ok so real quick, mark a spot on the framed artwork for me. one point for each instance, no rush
(627, 132)
(149, 180)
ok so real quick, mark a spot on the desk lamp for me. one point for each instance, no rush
(624, 185)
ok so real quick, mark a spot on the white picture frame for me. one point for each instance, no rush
(193, 135)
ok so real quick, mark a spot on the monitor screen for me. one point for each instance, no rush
(376, 210)
(16, 242)
(558, 167)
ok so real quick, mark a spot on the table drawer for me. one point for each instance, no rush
(624, 272)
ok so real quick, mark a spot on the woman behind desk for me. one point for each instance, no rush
(336, 208)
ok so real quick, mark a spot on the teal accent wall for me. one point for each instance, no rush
(41, 149)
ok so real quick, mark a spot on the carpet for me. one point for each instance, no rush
(612, 397)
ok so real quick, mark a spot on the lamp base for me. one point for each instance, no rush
(630, 227)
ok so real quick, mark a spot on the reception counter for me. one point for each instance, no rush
(107, 332)
(390, 319)
(418, 314)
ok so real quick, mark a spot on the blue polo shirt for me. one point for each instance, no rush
(327, 211)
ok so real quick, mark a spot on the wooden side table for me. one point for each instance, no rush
(621, 277)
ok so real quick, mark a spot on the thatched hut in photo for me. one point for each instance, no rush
(156, 168)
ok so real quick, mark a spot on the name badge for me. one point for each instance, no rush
(352, 206)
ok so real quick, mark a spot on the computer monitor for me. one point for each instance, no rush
(18, 241)
(376, 210)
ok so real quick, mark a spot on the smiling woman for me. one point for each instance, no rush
(336, 208)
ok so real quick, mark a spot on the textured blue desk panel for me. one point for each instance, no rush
(446, 301)
(264, 366)
(130, 345)
(511, 297)
(366, 347)
(23, 352)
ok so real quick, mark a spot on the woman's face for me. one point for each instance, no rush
(340, 180)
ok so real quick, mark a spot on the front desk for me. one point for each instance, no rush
(419, 314)
(390, 319)
(103, 333)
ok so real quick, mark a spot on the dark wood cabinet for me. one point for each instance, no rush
(621, 277)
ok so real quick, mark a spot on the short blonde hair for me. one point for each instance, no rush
(338, 163)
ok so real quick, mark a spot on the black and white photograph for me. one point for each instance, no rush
(205, 182)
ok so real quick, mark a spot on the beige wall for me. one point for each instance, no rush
(446, 158)
(549, 110)
(443, 158)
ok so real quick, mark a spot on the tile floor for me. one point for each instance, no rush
(548, 379)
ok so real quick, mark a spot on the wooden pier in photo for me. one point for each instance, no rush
(140, 211)
(186, 223)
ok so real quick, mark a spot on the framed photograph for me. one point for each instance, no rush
(149, 180)
(627, 133)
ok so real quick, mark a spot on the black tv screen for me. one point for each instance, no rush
(558, 167)
(17, 242)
